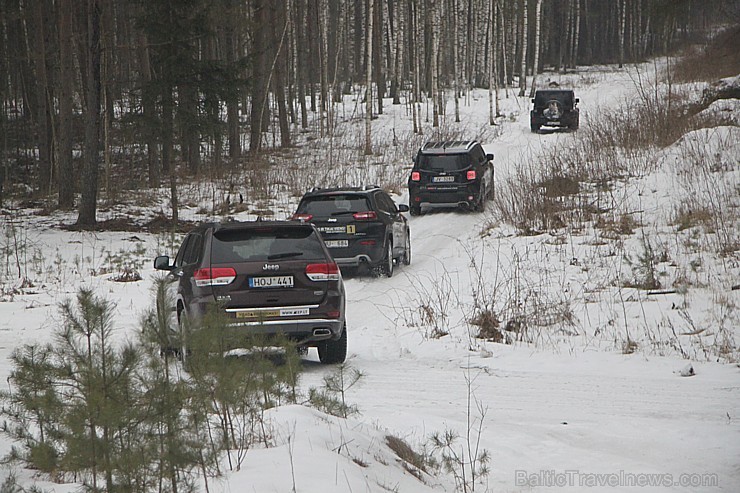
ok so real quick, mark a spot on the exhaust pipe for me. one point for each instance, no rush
(322, 333)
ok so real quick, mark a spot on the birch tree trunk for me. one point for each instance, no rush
(369, 82)
(280, 13)
(378, 71)
(535, 66)
(502, 41)
(455, 59)
(577, 33)
(524, 36)
(435, 50)
(492, 65)
(622, 20)
(396, 28)
(416, 108)
(260, 72)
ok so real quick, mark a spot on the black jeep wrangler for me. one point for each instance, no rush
(451, 174)
(554, 108)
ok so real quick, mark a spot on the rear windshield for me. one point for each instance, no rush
(444, 162)
(334, 205)
(262, 244)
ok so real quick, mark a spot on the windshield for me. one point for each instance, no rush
(444, 162)
(333, 205)
(263, 244)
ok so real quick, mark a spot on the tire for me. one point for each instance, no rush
(333, 352)
(535, 128)
(182, 350)
(480, 204)
(415, 210)
(386, 265)
(407, 250)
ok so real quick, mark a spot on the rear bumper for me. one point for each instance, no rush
(355, 256)
(355, 261)
(447, 196)
(565, 120)
(305, 331)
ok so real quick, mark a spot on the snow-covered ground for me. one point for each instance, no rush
(593, 398)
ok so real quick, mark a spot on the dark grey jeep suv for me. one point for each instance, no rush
(268, 277)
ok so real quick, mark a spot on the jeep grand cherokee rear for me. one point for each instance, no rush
(267, 277)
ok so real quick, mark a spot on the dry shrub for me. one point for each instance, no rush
(629, 346)
(489, 326)
(430, 306)
(707, 192)
(560, 186)
(535, 200)
(613, 228)
(687, 218)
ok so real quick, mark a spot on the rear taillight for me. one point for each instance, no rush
(333, 314)
(215, 276)
(301, 217)
(323, 272)
(471, 174)
(365, 215)
(367, 243)
(415, 176)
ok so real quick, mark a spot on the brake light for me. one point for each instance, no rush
(367, 242)
(301, 217)
(333, 314)
(323, 272)
(415, 176)
(365, 215)
(214, 276)
(471, 174)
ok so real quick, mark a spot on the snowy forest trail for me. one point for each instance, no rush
(543, 409)
(566, 407)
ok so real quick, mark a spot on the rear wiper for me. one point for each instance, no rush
(276, 256)
(342, 213)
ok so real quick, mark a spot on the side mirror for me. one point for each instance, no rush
(578, 100)
(489, 157)
(162, 263)
(403, 208)
(533, 100)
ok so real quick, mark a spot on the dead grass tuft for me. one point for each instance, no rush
(489, 326)
(419, 461)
